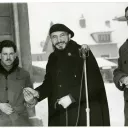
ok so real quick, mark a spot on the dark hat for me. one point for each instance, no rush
(60, 27)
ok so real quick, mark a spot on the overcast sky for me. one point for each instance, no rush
(69, 13)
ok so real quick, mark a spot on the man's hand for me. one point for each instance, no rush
(84, 51)
(34, 92)
(65, 101)
(6, 108)
(85, 47)
(124, 80)
(29, 95)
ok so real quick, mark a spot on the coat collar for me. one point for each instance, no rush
(15, 65)
(16, 74)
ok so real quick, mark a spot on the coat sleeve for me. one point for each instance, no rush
(30, 107)
(44, 89)
(118, 73)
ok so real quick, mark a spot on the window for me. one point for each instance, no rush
(104, 38)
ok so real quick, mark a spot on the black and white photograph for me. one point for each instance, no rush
(63, 64)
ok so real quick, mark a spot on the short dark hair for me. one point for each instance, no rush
(126, 10)
(7, 43)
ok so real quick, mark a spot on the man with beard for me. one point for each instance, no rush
(13, 79)
(64, 83)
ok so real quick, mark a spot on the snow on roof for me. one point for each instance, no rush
(121, 18)
(83, 36)
(100, 28)
(41, 64)
(105, 63)
(120, 34)
(101, 63)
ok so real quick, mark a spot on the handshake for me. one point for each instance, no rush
(30, 95)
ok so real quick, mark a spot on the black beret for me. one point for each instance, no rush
(60, 27)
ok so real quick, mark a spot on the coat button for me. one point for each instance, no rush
(7, 101)
(60, 86)
(6, 88)
(75, 75)
(69, 54)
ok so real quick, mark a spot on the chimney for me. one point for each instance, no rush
(82, 22)
(51, 23)
(107, 23)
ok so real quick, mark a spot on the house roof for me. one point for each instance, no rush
(102, 63)
(82, 35)
(41, 64)
(121, 18)
(120, 34)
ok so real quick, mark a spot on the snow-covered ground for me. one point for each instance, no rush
(115, 102)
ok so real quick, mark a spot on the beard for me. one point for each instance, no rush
(60, 46)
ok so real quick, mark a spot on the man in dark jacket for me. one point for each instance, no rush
(64, 84)
(13, 79)
(121, 73)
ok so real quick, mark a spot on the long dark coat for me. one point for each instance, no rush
(63, 77)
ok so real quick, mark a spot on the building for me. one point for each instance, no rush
(99, 40)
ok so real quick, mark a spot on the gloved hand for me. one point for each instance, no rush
(65, 101)
(84, 50)
(6, 108)
(124, 80)
(85, 47)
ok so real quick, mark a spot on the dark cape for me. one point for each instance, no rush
(64, 73)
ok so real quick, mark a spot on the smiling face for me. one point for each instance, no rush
(60, 39)
(7, 56)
